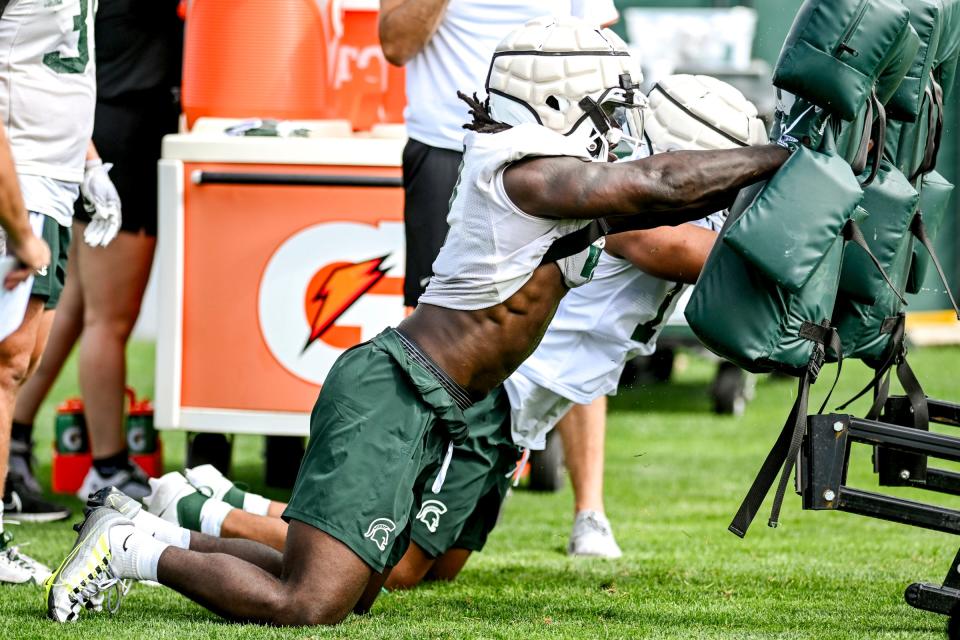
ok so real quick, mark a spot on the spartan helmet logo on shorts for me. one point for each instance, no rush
(379, 532)
(430, 514)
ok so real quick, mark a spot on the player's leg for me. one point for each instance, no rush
(448, 566)
(372, 436)
(456, 520)
(113, 279)
(16, 351)
(171, 533)
(15, 354)
(582, 432)
(208, 480)
(322, 581)
(203, 507)
(67, 325)
(412, 568)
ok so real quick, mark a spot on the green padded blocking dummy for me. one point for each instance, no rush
(837, 50)
(776, 265)
(866, 300)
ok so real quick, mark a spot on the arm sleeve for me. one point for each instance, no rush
(601, 12)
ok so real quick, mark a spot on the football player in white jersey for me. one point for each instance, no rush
(596, 329)
(47, 97)
(391, 409)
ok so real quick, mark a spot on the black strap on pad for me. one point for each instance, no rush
(878, 133)
(783, 455)
(852, 233)
(919, 231)
(934, 97)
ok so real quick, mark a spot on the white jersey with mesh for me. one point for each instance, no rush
(596, 330)
(493, 248)
(48, 92)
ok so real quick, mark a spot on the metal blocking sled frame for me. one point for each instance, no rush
(901, 458)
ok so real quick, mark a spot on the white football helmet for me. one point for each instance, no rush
(571, 77)
(700, 112)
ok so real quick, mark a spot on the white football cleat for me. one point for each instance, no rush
(16, 567)
(87, 573)
(593, 537)
(133, 483)
(208, 480)
(167, 491)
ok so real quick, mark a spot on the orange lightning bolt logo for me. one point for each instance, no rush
(335, 289)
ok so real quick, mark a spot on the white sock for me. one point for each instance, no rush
(135, 553)
(162, 530)
(212, 514)
(255, 504)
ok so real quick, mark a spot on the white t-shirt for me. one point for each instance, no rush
(493, 248)
(457, 58)
(48, 90)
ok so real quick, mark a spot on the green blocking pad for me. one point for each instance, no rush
(741, 314)
(837, 49)
(935, 192)
(898, 63)
(891, 202)
(926, 17)
(789, 228)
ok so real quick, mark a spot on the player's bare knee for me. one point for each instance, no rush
(116, 326)
(14, 367)
(298, 608)
(403, 578)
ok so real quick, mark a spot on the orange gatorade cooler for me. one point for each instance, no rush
(255, 59)
(71, 447)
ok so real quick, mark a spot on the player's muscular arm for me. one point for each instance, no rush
(407, 25)
(665, 189)
(676, 254)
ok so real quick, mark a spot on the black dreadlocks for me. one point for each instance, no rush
(482, 122)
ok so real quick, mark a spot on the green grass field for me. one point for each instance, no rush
(675, 475)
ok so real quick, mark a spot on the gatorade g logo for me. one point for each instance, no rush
(328, 288)
(430, 514)
(71, 440)
(379, 532)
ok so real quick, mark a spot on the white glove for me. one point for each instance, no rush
(101, 200)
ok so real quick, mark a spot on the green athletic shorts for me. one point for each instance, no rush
(466, 509)
(48, 284)
(377, 434)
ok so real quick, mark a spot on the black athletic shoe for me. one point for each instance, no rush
(22, 504)
(23, 498)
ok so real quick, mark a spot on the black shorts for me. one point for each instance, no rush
(429, 176)
(128, 132)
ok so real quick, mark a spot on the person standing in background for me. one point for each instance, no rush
(445, 46)
(47, 99)
(139, 57)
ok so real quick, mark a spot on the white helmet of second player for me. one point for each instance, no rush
(700, 112)
(576, 79)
